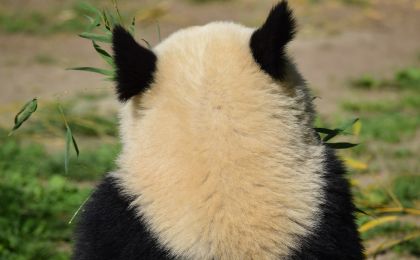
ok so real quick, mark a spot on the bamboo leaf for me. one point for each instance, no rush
(391, 243)
(97, 37)
(132, 27)
(158, 31)
(75, 146)
(95, 70)
(340, 145)
(79, 208)
(377, 222)
(354, 183)
(104, 54)
(393, 197)
(362, 212)
(347, 125)
(90, 19)
(100, 50)
(114, 2)
(399, 210)
(147, 43)
(331, 135)
(70, 141)
(109, 20)
(341, 130)
(67, 150)
(325, 130)
(109, 79)
(357, 128)
(90, 8)
(355, 164)
(106, 20)
(25, 112)
(94, 22)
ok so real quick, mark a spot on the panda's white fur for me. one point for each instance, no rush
(220, 157)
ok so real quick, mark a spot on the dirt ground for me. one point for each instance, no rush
(336, 42)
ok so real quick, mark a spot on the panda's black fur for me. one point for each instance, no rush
(268, 43)
(336, 237)
(135, 65)
(111, 227)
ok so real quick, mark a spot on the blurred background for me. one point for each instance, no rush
(360, 57)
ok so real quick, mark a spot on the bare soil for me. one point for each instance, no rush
(336, 43)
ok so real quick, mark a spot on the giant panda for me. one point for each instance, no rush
(220, 159)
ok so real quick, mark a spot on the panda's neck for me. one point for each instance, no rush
(224, 183)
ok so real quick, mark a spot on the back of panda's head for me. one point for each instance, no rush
(215, 128)
(208, 76)
(136, 64)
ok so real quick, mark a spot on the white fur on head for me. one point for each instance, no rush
(219, 156)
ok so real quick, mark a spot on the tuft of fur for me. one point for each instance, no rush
(268, 43)
(135, 64)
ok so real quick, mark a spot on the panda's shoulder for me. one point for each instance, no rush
(335, 236)
(109, 228)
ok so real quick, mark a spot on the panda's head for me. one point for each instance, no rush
(206, 77)
(210, 114)
(213, 45)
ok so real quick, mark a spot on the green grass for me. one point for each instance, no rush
(389, 120)
(388, 145)
(366, 81)
(47, 120)
(391, 128)
(347, 2)
(405, 189)
(38, 23)
(356, 2)
(46, 22)
(405, 103)
(393, 230)
(44, 59)
(28, 22)
(207, 1)
(408, 78)
(37, 197)
(69, 16)
(405, 79)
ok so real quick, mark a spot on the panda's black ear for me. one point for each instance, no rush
(268, 43)
(135, 65)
